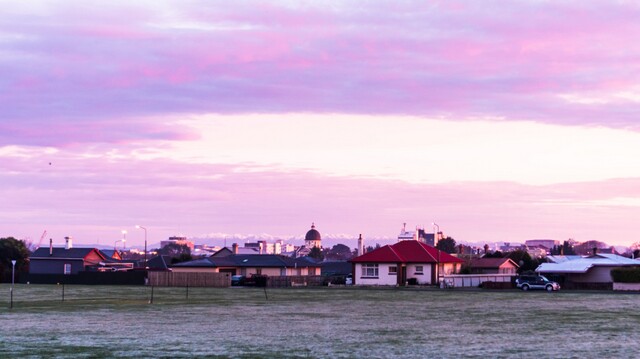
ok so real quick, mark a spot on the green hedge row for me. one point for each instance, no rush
(626, 275)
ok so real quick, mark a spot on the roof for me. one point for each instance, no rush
(409, 251)
(250, 260)
(491, 262)
(583, 264)
(78, 253)
(109, 252)
(225, 251)
(312, 234)
(159, 262)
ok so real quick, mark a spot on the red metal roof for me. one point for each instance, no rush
(409, 251)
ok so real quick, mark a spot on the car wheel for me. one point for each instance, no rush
(549, 288)
(525, 287)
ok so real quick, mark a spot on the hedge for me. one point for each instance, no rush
(626, 275)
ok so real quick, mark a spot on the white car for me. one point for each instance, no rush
(349, 280)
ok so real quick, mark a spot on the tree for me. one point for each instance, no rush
(523, 259)
(339, 252)
(174, 250)
(447, 245)
(496, 254)
(184, 257)
(12, 249)
(316, 253)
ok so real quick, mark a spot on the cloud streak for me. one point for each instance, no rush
(71, 64)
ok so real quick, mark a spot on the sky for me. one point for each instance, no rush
(499, 121)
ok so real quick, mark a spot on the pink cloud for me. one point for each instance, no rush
(93, 198)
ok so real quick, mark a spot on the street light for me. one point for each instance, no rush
(145, 243)
(13, 279)
(435, 236)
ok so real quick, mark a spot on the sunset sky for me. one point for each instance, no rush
(500, 121)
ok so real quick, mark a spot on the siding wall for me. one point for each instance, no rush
(424, 278)
(384, 278)
(54, 266)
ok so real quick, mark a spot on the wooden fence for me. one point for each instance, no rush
(171, 279)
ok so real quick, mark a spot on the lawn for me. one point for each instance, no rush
(118, 321)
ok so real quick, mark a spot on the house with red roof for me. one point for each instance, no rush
(493, 266)
(402, 262)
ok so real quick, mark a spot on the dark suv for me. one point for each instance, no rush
(526, 282)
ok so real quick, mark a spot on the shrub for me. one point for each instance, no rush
(626, 275)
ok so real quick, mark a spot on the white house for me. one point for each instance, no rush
(405, 261)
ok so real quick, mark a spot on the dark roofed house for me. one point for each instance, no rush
(249, 264)
(112, 253)
(493, 266)
(56, 260)
(159, 263)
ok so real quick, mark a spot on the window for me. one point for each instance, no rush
(393, 270)
(67, 268)
(370, 270)
(258, 271)
(419, 269)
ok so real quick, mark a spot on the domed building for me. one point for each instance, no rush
(312, 238)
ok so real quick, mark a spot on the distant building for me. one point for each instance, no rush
(419, 235)
(547, 243)
(277, 247)
(313, 238)
(181, 241)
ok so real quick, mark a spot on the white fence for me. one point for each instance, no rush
(473, 280)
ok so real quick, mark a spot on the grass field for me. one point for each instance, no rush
(118, 321)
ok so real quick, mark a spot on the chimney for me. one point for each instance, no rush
(50, 246)
(595, 250)
(235, 248)
(486, 248)
(67, 242)
(360, 245)
(460, 248)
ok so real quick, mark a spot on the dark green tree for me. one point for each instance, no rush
(316, 253)
(174, 250)
(339, 252)
(10, 249)
(496, 254)
(524, 260)
(447, 245)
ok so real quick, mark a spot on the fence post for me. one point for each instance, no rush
(187, 291)
(63, 291)
(151, 299)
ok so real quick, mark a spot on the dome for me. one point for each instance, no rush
(312, 235)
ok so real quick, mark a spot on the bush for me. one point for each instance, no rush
(626, 275)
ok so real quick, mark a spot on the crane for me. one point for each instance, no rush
(41, 238)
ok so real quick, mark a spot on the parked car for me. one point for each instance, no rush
(526, 282)
(237, 280)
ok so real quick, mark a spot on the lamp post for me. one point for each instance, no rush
(435, 236)
(145, 244)
(13, 279)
